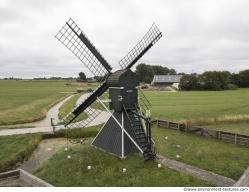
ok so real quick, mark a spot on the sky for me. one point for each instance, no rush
(198, 35)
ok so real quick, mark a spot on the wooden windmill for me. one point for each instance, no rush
(128, 128)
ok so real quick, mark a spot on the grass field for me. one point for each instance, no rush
(223, 158)
(107, 170)
(68, 106)
(27, 101)
(240, 128)
(201, 107)
(16, 148)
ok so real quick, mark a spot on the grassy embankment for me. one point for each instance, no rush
(107, 170)
(27, 101)
(14, 149)
(223, 158)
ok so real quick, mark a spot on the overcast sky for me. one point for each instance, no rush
(198, 35)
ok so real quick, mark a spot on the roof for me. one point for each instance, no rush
(166, 78)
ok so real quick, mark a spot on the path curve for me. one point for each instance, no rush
(101, 118)
(53, 112)
(45, 126)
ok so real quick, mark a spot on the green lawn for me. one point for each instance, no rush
(16, 148)
(200, 107)
(223, 158)
(240, 128)
(26, 101)
(107, 170)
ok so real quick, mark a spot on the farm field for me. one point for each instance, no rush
(201, 107)
(226, 159)
(26, 101)
(240, 128)
(107, 170)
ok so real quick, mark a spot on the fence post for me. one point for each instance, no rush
(52, 124)
(157, 122)
(178, 126)
(235, 138)
(219, 135)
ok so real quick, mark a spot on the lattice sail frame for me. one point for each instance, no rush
(150, 38)
(72, 37)
(91, 114)
(143, 101)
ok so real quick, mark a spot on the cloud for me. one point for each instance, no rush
(198, 35)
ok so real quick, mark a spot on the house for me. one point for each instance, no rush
(166, 80)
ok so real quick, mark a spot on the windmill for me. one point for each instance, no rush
(128, 128)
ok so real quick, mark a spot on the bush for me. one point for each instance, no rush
(231, 86)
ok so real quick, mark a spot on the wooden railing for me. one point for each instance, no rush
(221, 135)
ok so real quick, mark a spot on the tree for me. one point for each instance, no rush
(146, 73)
(190, 82)
(215, 80)
(243, 78)
(82, 76)
(234, 79)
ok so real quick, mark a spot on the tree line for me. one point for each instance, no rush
(215, 80)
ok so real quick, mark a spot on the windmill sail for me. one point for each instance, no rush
(92, 112)
(144, 103)
(150, 38)
(76, 41)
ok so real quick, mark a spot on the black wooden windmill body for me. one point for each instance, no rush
(128, 128)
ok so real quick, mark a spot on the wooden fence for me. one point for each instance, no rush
(221, 135)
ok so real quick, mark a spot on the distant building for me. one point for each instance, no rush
(166, 80)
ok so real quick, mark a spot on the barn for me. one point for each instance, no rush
(166, 80)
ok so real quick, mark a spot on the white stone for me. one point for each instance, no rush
(89, 167)
(69, 156)
(124, 170)
(159, 165)
(165, 138)
(177, 156)
(178, 146)
(65, 149)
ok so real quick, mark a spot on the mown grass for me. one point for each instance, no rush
(223, 158)
(68, 106)
(107, 170)
(27, 101)
(200, 107)
(14, 149)
(239, 128)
